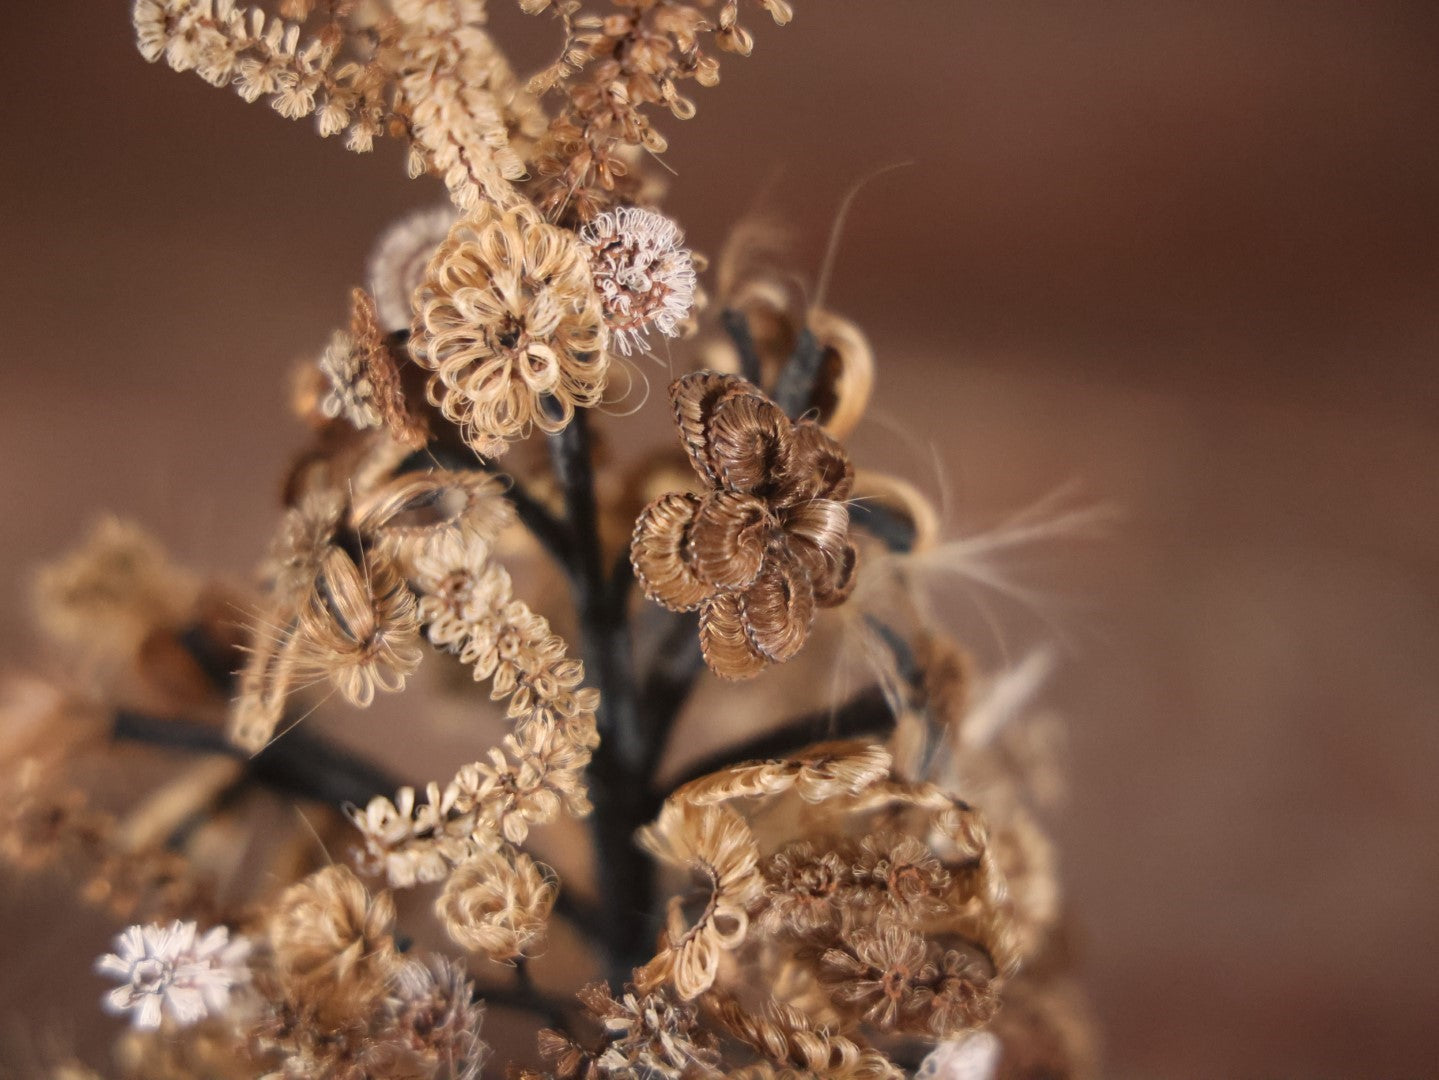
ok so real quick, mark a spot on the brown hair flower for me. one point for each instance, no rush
(332, 943)
(766, 544)
(506, 319)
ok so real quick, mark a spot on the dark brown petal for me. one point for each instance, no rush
(749, 442)
(726, 646)
(778, 608)
(818, 467)
(728, 539)
(693, 398)
(657, 552)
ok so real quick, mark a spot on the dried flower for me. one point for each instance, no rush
(882, 972)
(650, 1035)
(644, 275)
(110, 592)
(964, 994)
(767, 544)
(497, 902)
(431, 1025)
(170, 971)
(461, 592)
(397, 264)
(510, 324)
(332, 944)
(412, 843)
(426, 68)
(351, 395)
(716, 846)
(432, 512)
(380, 363)
(359, 629)
(973, 1057)
(903, 873)
(804, 886)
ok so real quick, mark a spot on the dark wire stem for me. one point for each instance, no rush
(794, 388)
(671, 678)
(737, 327)
(302, 763)
(618, 784)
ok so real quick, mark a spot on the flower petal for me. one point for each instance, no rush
(777, 610)
(657, 552)
(818, 532)
(728, 538)
(749, 442)
(693, 398)
(726, 646)
(818, 467)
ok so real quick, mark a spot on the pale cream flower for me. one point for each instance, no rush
(351, 394)
(510, 325)
(717, 847)
(497, 902)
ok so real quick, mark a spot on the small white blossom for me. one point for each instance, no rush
(174, 970)
(644, 276)
(971, 1057)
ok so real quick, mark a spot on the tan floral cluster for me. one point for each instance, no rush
(768, 541)
(425, 68)
(339, 606)
(538, 769)
(509, 324)
(611, 69)
(642, 1034)
(337, 997)
(888, 915)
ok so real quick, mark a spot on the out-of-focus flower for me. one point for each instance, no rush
(973, 1057)
(397, 265)
(173, 971)
(497, 902)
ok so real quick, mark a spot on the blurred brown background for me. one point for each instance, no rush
(1182, 254)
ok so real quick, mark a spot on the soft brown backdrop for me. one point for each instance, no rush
(1181, 253)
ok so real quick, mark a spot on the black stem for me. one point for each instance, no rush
(794, 388)
(677, 664)
(893, 530)
(302, 763)
(737, 327)
(618, 785)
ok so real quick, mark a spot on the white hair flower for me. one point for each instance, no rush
(644, 276)
(397, 265)
(174, 970)
(971, 1057)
